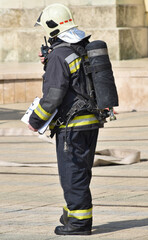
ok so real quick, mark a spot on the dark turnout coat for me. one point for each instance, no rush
(61, 75)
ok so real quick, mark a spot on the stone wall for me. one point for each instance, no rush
(121, 23)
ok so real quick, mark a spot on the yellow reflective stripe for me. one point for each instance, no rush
(76, 61)
(82, 121)
(65, 208)
(42, 113)
(46, 113)
(79, 214)
(81, 211)
(39, 114)
(80, 124)
(75, 65)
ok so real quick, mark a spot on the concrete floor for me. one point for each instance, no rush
(31, 198)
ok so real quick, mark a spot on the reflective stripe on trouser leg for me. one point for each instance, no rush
(79, 214)
(75, 173)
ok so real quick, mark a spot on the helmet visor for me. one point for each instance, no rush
(38, 22)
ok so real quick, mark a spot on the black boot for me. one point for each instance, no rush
(64, 218)
(68, 229)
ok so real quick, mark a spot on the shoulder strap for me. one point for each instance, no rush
(64, 44)
(82, 52)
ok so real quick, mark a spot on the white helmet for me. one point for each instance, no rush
(55, 19)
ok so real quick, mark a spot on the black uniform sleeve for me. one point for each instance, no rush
(55, 85)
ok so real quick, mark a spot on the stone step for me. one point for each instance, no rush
(131, 78)
(22, 82)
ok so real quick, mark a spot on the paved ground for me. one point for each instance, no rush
(31, 198)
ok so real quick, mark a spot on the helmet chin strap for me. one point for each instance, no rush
(52, 40)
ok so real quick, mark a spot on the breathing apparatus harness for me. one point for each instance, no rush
(87, 102)
(101, 94)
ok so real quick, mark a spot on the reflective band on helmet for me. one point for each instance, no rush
(97, 52)
(79, 214)
(82, 121)
(42, 113)
(66, 21)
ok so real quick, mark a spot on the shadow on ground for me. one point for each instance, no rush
(120, 225)
(11, 114)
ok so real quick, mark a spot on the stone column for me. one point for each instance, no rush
(146, 12)
(121, 23)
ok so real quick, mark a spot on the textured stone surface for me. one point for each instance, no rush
(21, 45)
(20, 91)
(133, 43)
(133, 93)
(33, 91)
(131, 78)
(9, 93)
(114, 21)
(130, 15)
(29, 44)
(130, 2)
(104, 2)
(9, 51)
(33, 4)
(98, 17)
(19, 18)
(111, 37)
(10, 4)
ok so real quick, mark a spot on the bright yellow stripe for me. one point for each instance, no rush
(74, 62)
(75, 69)
(78, 211)
(48, 114)
(66, 209)
(73, 212)
(81, 211)
(40, 115)
(80, 124)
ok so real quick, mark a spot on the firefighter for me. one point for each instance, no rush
(75, 140)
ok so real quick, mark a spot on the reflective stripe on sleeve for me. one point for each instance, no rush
(42, 113)
(75, 65)
(74, 62)
(79, 214)
(71, 58)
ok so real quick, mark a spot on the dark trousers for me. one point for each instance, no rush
(75, 173)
